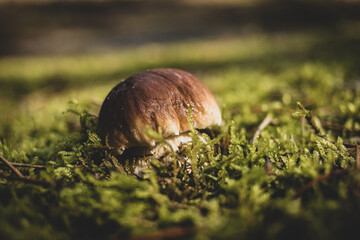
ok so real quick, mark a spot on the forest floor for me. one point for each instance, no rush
(298, 179)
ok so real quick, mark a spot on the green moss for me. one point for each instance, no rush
(295, 181)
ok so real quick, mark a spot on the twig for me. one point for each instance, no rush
(20, 176)
(267, 120)
(337, 127)
(25, 165)
(319, 179)
(17, 172)
(349, 145)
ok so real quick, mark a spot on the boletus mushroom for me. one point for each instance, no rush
(158, 98)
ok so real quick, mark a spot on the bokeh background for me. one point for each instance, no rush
(33, 27)
(53, 51)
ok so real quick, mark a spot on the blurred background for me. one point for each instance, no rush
(53, 51)
(46, 27)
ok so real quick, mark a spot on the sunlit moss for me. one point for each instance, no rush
(227, 188)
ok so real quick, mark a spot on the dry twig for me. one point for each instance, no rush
(267, 120)
(17, 172)
(19, 176)
(337, 127)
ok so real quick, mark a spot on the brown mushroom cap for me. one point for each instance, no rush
(157, 98)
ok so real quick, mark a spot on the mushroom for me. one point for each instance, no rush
(159, 98)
